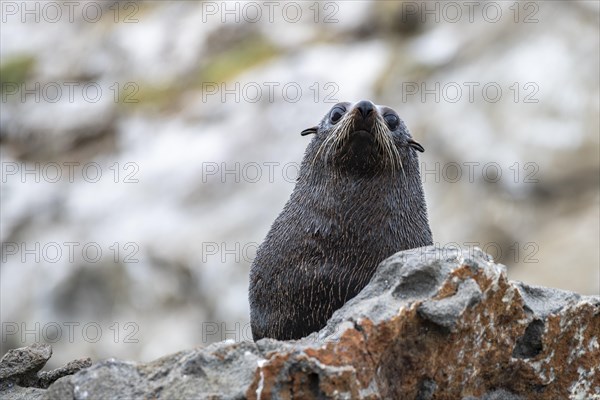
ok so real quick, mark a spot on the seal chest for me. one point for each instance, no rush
(358, 200)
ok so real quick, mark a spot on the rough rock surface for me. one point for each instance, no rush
(20, 374)
(431, 324)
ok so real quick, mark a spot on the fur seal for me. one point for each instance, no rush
(358, 200)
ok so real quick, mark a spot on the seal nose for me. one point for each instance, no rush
(365, 107)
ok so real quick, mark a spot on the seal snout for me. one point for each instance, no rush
(363, 114)
(365, 107)
(359, 137)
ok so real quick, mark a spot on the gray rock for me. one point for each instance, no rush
(24, 361)
(22, 367)
(447, 311)
(545, 301)
(224, 369)
(431, 324)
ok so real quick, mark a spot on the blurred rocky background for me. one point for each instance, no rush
(147, 147)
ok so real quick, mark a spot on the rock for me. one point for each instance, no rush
(224, 370)
(23, 363)
(20, 375)
(431, 324)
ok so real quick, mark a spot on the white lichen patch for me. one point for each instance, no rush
(508, 296)
(261, 384)
(580, 349)
(539, 370)
(593, 344)
(581, 390)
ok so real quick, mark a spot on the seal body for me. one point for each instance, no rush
(358, 200)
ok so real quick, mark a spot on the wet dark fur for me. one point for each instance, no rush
(346, 214)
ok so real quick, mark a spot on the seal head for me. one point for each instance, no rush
(357, 201)
(362, 138)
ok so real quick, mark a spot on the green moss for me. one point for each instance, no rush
(221, 67)
(236, 59)
(16, 69)
(154, 95)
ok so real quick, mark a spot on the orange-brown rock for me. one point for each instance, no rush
(435, 325)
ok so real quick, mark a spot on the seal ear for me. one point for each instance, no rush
(415, 145)
(309, 131)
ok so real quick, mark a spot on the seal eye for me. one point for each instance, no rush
(392, 120)
(336, 114)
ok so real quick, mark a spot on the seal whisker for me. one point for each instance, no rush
(385, 144)
(324, 144)
(339, 136)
